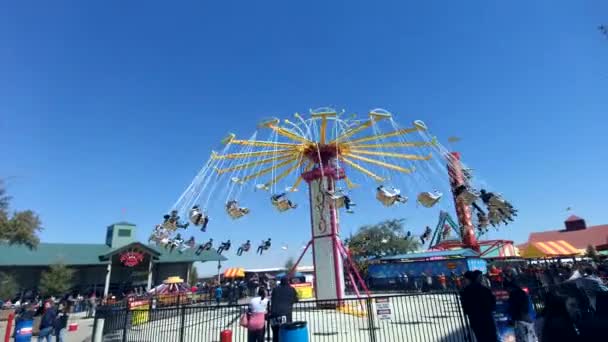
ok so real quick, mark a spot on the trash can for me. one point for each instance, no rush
(294, 332)
(23, 331)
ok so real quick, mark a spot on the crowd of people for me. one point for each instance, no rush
(53, 316)
(573, 302)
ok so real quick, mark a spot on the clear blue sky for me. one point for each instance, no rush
(115, 104)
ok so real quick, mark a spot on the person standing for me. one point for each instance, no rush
(61, 323)
(256, 321)
(478, 303)
(47, 323)
(281, 306)
(218, 294)
(92, 304)
(519, 310)
(443, 281)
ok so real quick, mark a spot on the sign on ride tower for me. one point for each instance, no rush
(329, 274)
(463, 211)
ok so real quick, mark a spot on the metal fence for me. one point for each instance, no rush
(409, 317)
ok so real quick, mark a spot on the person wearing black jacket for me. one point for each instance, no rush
(281, 306)
(478, 303)
(47, 323)
(61, 323)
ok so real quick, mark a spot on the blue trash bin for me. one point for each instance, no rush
(23, 331)
(294, 332)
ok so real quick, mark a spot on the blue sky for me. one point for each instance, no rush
(107, 110)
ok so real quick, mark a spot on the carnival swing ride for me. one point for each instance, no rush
(338, 156)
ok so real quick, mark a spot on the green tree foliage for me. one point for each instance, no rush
(21, 227)
(289, 264)
(592, 253)
(56, 281)
(193, 279)
(381, 239)
(8, 286)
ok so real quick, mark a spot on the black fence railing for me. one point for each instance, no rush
(409, 317)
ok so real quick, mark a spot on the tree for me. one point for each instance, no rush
(56, 281)
(289, 264)
(8, 286)
(382, 239)
(592, 253)
(22, 227)
(193, 277)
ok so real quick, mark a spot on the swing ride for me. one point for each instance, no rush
(336, 155)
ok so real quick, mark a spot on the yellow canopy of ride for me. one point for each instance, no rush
(234, 273)
(549, 249)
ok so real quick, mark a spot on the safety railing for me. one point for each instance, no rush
(409, 317)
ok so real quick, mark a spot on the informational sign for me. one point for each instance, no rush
(502, 317)
(383, 308)
(131, 258)
(304, 290)
(141, 311)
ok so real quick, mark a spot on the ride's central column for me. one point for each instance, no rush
(329, 274)
(463, 211)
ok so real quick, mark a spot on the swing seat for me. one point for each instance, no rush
(262, 187)
(170, 226)
(468, 197)
(339, 201)
(429, 199)
(197, 217)
(236, 212)
(281, 204)
(389, 198)
(385, 199)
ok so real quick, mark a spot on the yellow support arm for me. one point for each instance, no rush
(289, 134)
(380, 163)
(285, 173)
(269, 169)
(253, 154)
(353, 131)
(362, 169)
(396, 144)
(295, 185)
(393, 155)
(350, 184)
(398, 132)
(373, 118)
(323, 129)
(252, 164)
(259, 143)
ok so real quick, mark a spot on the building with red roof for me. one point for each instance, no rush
(575, 233)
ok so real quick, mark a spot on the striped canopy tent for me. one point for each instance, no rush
(545, 249)
(234, 272)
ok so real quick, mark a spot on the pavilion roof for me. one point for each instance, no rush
(78, 254)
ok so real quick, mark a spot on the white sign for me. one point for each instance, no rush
(383, 308)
